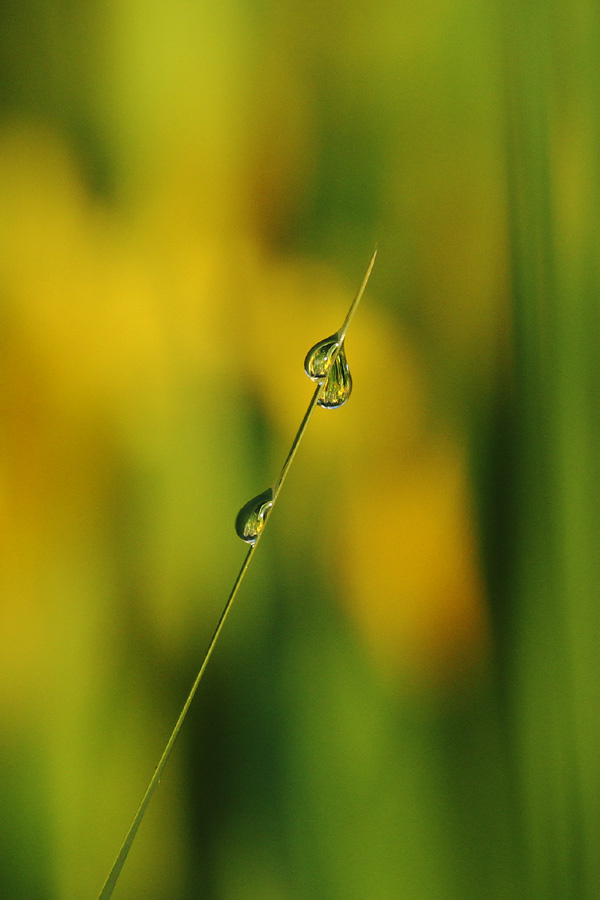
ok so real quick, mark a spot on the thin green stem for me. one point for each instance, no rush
(356, 301)
(119, 862)
(297, 439)
(113, 875)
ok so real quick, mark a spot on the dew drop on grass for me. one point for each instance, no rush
(317, 358)
(338, 387)
(252, 517)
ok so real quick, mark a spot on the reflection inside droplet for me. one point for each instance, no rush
(338, 387)
(252, 517)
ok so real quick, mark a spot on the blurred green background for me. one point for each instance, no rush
(405, 702)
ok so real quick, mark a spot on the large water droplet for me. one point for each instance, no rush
(317, 358)
(338, 388)
(252, 517)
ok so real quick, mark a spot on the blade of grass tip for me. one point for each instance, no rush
(357, 299)
(113, 875)
(323, 381)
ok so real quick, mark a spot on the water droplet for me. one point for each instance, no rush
(317, 358)
(252, 517)
(338, 388)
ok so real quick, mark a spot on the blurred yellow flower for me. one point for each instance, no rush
(410, 566)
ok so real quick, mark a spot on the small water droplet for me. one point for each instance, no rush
(252, 517)
(338, 388)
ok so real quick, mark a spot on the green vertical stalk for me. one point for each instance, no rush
(555, 494)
